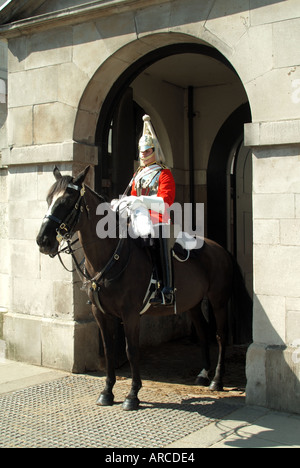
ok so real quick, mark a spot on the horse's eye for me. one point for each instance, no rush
(68, 201)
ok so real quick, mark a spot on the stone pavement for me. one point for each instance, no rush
(244, 427)
(247, 427)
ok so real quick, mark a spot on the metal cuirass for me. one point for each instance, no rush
(148, 185)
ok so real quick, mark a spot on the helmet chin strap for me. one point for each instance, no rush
(147, 158)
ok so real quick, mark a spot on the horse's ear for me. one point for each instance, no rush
(80, 178)
(57, 173)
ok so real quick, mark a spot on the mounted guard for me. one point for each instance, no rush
(154, 184)
(117, 271)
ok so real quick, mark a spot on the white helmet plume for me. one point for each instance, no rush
(149, 139)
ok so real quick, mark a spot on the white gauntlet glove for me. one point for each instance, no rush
(153, 203)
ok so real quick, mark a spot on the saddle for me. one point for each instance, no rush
(186, 246)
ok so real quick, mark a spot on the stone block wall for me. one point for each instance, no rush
(44, 319)
(273, 360)
(44, 323)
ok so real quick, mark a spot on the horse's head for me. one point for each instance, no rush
(64, 203)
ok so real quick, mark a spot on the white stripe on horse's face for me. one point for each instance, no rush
(54, 199)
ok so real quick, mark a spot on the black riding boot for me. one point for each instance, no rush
(165, 296)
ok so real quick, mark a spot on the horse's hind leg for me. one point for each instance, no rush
(202, 330)
(221, 335)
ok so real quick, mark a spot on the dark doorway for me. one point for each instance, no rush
(229, 197)
(231, 131)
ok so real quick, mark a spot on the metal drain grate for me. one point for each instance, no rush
(63, 413)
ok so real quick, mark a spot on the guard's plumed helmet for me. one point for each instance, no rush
(149, 139)
(146, 141)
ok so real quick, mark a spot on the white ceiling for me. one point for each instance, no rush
(195, 70)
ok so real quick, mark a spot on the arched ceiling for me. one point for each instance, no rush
(184, 70)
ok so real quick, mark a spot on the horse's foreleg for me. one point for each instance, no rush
(221, 334)
(106, 325)
(132, 333)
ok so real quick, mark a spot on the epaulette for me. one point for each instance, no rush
(163, 166)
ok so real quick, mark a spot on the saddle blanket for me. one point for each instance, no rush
(188, 242)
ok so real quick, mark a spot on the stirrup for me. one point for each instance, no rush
(168, 296)
(158, 298)
(162, 298)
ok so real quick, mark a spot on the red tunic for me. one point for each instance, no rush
(166, 190)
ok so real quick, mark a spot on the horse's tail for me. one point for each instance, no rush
(241, 306)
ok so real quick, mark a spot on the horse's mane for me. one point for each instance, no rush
(59, 186)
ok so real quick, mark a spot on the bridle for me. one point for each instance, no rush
(66, 227)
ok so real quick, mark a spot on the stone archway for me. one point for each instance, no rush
(105, 89)
(100, 99)
(107, 84)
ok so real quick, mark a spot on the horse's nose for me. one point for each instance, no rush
(39, 240)
(43, 242)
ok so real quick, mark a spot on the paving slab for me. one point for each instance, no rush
(59, 411)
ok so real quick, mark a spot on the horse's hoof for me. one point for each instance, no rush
(202, 381)
(216, 386)
(105, 399)
(131, 404)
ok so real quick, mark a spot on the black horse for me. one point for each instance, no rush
(118, 272)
